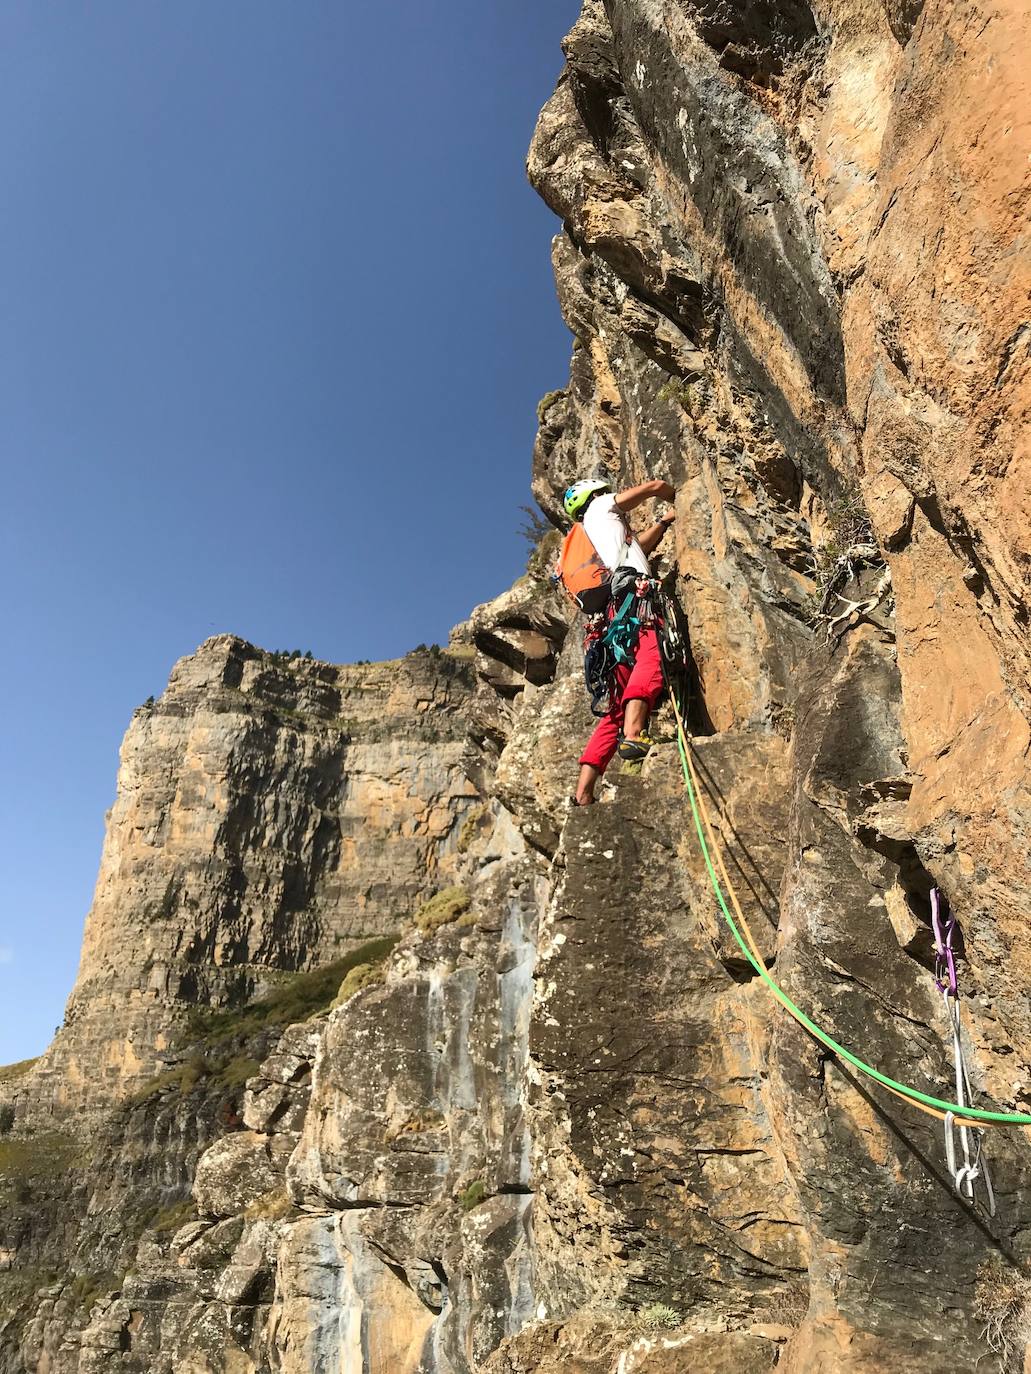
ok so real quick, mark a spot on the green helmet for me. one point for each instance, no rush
(578, 495)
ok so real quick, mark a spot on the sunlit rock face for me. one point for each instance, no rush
(562, 1126)
(271, 813)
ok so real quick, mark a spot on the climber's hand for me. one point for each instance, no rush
(632, 497)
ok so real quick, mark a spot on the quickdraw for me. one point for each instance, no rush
(971, 1141)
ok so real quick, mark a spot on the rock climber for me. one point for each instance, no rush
(635, 688)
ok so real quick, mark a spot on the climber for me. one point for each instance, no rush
(636, 686)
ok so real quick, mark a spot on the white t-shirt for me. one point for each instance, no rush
(607, 529)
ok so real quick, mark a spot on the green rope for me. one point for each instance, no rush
(970, 1113)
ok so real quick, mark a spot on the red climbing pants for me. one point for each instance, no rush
(642, 682)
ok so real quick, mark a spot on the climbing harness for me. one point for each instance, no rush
(965, 1175)
(621, 635)
(962, 1114)
(613, 641)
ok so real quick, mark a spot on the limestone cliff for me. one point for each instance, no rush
(272, 813)
(559, 1126)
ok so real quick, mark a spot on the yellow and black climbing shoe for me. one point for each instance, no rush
(633, 750)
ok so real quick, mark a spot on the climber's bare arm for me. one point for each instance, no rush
(652, 537)
(635, 496)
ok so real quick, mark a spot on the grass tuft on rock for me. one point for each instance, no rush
(543, 557)
(271, 1206)
(659, 1317)
(442, 909)
(848, 526)
(470, 826)
(1002, 1301)
(549, 399)
(18, 1288)
(680, 392)
(85, 1289)
(361, 976)
(473, 1195)
(422, 1120)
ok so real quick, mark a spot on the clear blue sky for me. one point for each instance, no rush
(276, 312)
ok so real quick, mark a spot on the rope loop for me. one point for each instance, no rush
(961, 1115)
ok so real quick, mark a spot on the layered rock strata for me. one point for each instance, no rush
(271, 813)
(564, 1127)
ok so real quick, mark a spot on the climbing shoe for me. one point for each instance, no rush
(634, 750)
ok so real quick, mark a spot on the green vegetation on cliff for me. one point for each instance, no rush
(35, 1157)
(296, 998)
(17, 1070)
(228, 1046)
(442, 908)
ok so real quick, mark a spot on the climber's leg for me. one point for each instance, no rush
(585, 784)
(635, 718)
(601, 747)
(642, 691)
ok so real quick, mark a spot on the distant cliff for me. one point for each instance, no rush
(380, 1058)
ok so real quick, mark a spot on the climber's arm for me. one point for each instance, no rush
(634, 496)
(652, 537)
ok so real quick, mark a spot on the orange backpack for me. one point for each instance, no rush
(582, 573)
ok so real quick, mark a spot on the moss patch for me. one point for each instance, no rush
(473, 1195)
(549, 399)
(469, 828)
(442, 909)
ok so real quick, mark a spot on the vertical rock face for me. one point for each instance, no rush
(271, 813)
(563, 1126)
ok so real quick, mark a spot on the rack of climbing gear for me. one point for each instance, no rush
(956, 1115)
(610, 639)
(598, 664)
(966, 1174)
(672, 636)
